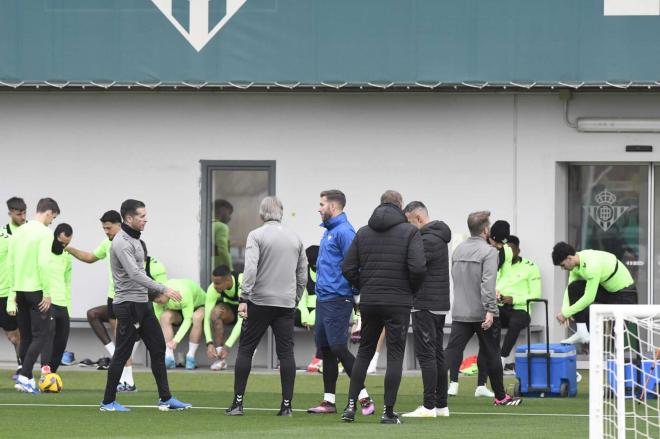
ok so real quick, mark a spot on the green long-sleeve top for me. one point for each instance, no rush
(221, 255)
(522, 281)
(307, 304)
(229, 296)
(596, 267)
(192, 297)
(103, 252)
(27, 256)
(58, 269)
(6, 233)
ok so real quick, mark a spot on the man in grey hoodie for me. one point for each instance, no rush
(274, 278)
(474, 270)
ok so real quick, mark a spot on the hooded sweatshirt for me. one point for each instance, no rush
(386, 260)
(434, 292)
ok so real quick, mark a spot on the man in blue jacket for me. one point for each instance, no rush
(334, 301)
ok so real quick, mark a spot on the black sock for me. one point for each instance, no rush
(389, 410)
(351, 403)
(286, 403)
(238, 399)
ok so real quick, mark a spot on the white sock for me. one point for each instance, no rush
(192, 349)
(363, 394)
(218, 350)
(582, 329)
(110, 347)
(169, 353)
(127, 376)
(330, 397)
(503, 361)
(135, 347)
(374, 360)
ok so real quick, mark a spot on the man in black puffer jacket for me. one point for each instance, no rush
(431, 304)
(386, 264)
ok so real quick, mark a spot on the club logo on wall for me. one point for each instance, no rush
(199, 31)
(606, 213)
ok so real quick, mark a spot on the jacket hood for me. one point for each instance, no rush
(439, 229)
(385, 217)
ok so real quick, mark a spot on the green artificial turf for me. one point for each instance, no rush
(210, 392)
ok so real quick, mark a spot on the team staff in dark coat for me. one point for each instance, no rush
(386, 264)
(431, 304)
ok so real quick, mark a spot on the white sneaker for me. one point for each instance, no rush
(441, 412)
(421, 412)
(372, 367)
(453, 389)
(218, 365)
(578, 376)
(482, 391)
(576, 338)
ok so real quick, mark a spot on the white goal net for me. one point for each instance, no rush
(624, 371)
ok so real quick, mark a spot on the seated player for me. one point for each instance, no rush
(188, 314)
(594, 277)
(16, 207)
(306, 309)
(58, 271)
(220, 310)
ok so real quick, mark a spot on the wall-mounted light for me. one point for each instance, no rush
(617, 125)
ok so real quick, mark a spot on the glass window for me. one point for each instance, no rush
(608, 210)
(232, 196)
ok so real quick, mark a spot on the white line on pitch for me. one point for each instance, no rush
(571, 415)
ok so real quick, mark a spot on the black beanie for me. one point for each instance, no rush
(499, 231)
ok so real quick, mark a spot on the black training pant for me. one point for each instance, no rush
(489, 346)
(515, 320)
(58, 338)
(626, 296)
(395, 320)
(259, 318)
(428, 331)
(33, 326)
(133, 320)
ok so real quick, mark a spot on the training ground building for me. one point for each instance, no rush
(546, 115)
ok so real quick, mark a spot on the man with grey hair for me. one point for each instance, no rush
(386, 264)
(274, 278)
(474, 270)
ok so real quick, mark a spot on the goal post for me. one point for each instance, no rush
(624, 381)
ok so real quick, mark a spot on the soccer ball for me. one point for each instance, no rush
(50, 383)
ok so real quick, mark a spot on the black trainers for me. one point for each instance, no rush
(235, 410)
(508, 400)
(509, 369)
(87, 363)
(103, 363)
(349, 414)
(392, 418)
(285, 410)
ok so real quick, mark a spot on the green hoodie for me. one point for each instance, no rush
(29, 250)
(103, 252)
(192, 297)
(59, 279)
(212, 296)
(596, 267)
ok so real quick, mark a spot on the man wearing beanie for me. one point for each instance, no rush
(386, 264)
(474, 270)
(594, 277)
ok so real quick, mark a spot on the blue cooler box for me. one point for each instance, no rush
(635, 377)
(562, 370)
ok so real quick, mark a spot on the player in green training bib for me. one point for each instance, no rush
(16, 207)
(223, 210)
(188, 314)
(594, 277)
(220, 310)
(58, 270)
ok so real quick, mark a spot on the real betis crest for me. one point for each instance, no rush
(606, 213)
(200, 31)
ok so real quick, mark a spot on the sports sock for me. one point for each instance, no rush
(127, 376)
(192, 349)
(582, 329)
(238, 399)
(389, 410)
(363, 394)
(218, 350)
(110, 347)
(169, 353)
(503, 361)
(135, 347)
(330, 397)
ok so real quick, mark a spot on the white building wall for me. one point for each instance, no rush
(456, 152)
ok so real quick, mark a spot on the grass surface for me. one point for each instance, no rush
(209, 392)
